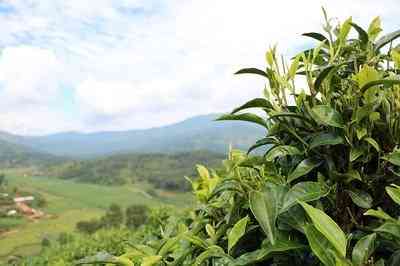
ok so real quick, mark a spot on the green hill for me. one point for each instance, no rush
(16, 155)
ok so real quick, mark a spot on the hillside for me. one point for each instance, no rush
(165, 171)
(197, 133)
(16, 155)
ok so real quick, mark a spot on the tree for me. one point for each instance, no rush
(114, 217)
(135, 216)
(2, 180)
(89, 227)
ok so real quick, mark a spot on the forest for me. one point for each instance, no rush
(164, 171)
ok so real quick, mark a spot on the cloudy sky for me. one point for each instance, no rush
(89, 65)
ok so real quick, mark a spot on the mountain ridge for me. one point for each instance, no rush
(195, 133)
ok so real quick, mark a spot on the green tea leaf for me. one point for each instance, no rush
(252, 71)
(293, 67)
(203, 172)
(360, 198)
(150, 261)
(395, 55)
(248, 117)
(287, 114)
(393, 158)
(317, 36)
(391, 228)
(213, 251)
(326, 115)
(303, 168)
(269, 57)
(374, 28)
(323, 139)
(280, 151)
(363, 249)
(255, 103)
(324, 73)
(374, 116)
(265, 213)
(385, 82)
(373, 143)
(361, 132)
(387, 39)
(362, 34)
(238, 230)
(355, 153)
(394, 193)
(367, 74)
(264, 253)
(104, 257)
(344, 30)
(380, 214)
(324, 224)
(352, 175)
(265, 207)
(210, 231)
(363, 112)
(319, 245)
(196, 240)
(262, 142)
(166, 247)
(305, 192)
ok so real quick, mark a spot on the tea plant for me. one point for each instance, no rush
(326, 191)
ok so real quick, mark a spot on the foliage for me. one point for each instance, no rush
(69, 202)
(16, 155)
(326, 191)
(69, 248)
(89, 227)
(76, 246)
(136, 215)
(2, 180)
(163, 170)
(114, 217)
(334, 150)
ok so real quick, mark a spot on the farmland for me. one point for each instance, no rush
(69, 202)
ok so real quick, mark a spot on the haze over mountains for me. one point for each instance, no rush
(196, 133)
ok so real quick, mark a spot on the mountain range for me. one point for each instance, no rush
(196, 133)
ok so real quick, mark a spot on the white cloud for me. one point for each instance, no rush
(29, 75)
(144, 63)
(119, 97)
(36, 120)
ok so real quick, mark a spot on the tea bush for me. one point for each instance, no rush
(68, 248)
(326, 192)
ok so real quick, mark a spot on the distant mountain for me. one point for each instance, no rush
(197, 133)
(16, 155)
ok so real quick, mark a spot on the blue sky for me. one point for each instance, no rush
(86, 65)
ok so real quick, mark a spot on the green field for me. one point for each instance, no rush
(70, 202)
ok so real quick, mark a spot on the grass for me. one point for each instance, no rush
(10, 222)
(69, 202)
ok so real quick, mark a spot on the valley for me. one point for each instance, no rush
(69, 202)
(78, 176)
